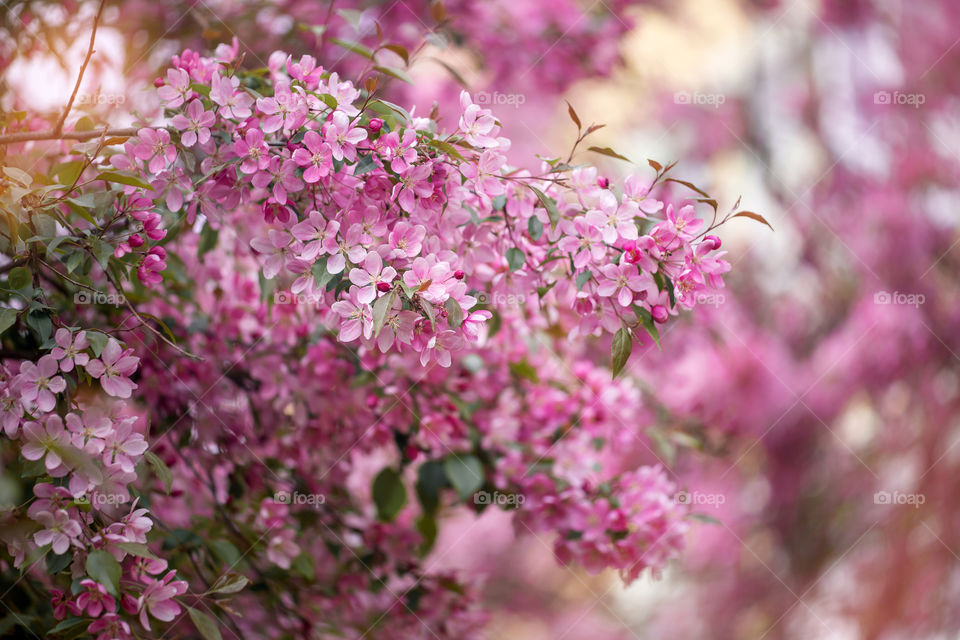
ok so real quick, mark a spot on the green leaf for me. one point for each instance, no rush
(68, 624)
(205, 624)
(393, 72)
(535, 227)
(21, 176)
(57, 563)
(19, 278)
(646, 319)
(365, 164)
(431, 478)
(690, 185)
(230, 582)
(400, 51)
(7, 318)
(320, 274)
(160, 469)
(607, 151)
(583, 278)
(208, 239)
(451, 150)
(136, 549)
(515, 258)
(550, 205)
(381, 311)
(524, 369)
(225, 551)
(124, 178)
(573, 116)
(97, 341)
(454, 312)
(431, 314)
(465, 474)
(427, 528)
(620, 350)
(354, 47)
(68, 172)
(702, 517)
(389, 494)
(102, 567)
(753, 216)
(303, 566)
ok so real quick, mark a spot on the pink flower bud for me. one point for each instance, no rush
(158, 82)
(602, 182)
(136, 240)
(713, 242)
(659, 313)
(376, 124)
(459, 274)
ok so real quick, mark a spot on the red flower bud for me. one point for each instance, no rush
(158, 82)
(459, 274)
(602, 182)
(383, 286)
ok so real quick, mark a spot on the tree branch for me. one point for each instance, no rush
(83, 67)
(53, 134)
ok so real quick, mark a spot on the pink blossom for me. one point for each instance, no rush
(95, 600)
(477, 125)
(369, 276)
(583, 240)
(70, 350)
(234, 103)
(282, 172)
(176, 89)
(154, 147)
(113, 368)
(623, 281)
(60, 531)
(317, 156)
(277, 250)
(318, 235)
(122, 446)
(39, 383)
(253, 150)
(110, 627)
(195, 124)
(157, 599)
(406, 240)
(356, 317)
(88, 432)
(343, 137)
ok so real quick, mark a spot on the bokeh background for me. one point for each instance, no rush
(810, 412)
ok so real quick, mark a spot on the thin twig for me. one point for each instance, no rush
(83, 67)
(52, 134)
